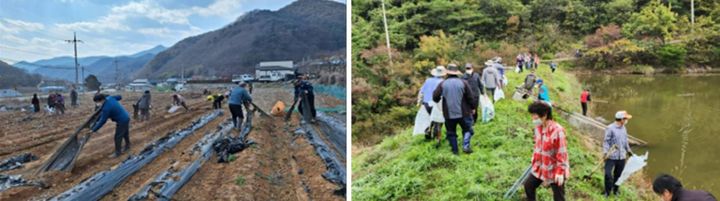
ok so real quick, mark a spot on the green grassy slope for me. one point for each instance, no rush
(406, 167)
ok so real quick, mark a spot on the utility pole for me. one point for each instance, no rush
(387, 35)
(74, 41)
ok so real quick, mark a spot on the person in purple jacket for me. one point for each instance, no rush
(670, 189)
(111, 109)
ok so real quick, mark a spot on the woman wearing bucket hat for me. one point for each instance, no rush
(458, 105)
(425, 98)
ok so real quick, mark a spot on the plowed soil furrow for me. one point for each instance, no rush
(279, 167)
(149, 171)
(95, 155)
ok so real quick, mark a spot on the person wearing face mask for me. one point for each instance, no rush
(616, 135)
(670, 189)
(549, 164)
(473, 79)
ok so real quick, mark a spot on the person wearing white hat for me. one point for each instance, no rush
(616, 135)
(491, 78)
(458, 105)
(425, 97)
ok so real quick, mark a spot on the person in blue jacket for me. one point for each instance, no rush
(111, 109)
(239, 96)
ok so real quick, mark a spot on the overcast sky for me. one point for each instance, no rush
(36, 29)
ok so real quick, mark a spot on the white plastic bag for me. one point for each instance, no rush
(173, 109)
(422, 121)
(436, 115)
(499, 94)
(517, 69)
(504, 80)
(488, 110)
(634, 164)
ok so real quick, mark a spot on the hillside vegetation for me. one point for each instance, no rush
(406, 167)
(642, 36)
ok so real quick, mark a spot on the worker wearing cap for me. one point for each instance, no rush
(112, 109)
(615, 135)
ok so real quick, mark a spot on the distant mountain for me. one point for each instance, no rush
(101, 66)
(152, 51)
(11, 76)
(305, 28)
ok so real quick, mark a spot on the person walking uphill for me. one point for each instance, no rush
(616, 135)
(308, 100)
(473, 79)
(239, 96)
(584, 100)
(491, 78)
(549, 164)
(426, 97)
(111, 109)
(144, 106)
(458, 104)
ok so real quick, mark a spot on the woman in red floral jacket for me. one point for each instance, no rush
(550, 164)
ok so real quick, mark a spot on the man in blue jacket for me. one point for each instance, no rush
(112, 109)
(239, 96)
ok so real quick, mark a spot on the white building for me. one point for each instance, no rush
(272, 71)
(139, 85)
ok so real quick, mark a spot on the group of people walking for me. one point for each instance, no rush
(458, 93)
(527, 61)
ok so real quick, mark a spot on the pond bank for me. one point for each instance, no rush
(406, 167)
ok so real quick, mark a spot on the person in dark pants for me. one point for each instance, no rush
(239, 96)
(217, 100)
(304, 91)
(144, 106)
(36, 103)
(425, 97)
(549, 164)
(51, 100)
(473, 79)
(491, 79)
(670, 189)
(616, 135)
(111, 109)
(458, 105)
(584, 100)
(73, 97)
(59, 103)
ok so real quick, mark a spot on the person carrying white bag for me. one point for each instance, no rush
(424, 123)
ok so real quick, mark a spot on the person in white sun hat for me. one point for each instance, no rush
(616, 135)
(425, 97)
